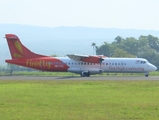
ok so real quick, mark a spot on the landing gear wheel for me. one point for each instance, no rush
(146, 74)
(85, 74)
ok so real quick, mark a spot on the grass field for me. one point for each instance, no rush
(79, 100)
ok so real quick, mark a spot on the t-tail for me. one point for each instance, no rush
(18, 50)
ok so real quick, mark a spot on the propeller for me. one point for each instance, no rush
(100, 61)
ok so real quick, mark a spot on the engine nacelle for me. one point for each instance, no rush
(85, 71)
(74, 70)
(95, 71)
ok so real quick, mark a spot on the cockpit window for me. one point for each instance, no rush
(142, 62)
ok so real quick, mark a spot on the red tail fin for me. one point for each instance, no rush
(18, 50)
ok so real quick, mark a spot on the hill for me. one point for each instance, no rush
(63, 40)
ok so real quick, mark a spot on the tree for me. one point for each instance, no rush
(104, 49)
(153, 42)
(121, 53)
(118, 39)
(94, 47)
(130, 45)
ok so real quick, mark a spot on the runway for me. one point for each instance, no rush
(79, 78)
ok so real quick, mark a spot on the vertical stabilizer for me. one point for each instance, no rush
(18, 50)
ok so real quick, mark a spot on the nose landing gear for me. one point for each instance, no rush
(146, 74)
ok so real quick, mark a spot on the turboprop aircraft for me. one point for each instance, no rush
(85, 65)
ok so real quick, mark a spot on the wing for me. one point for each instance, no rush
(77, 57)
(87, 58)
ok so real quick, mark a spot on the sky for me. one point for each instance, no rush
(126, 14)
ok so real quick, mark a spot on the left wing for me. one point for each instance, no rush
(87, 58)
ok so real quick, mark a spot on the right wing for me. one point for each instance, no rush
(87, 58)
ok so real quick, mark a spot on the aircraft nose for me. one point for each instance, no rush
(154, 68)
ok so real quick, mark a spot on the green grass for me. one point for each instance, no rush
(79, 100)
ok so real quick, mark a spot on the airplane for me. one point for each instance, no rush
(85, 65)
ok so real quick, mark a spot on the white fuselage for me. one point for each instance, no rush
(132, 65)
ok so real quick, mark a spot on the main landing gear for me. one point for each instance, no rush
(85, 74)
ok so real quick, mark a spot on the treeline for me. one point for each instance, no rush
(145, 47)
(11, 67)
